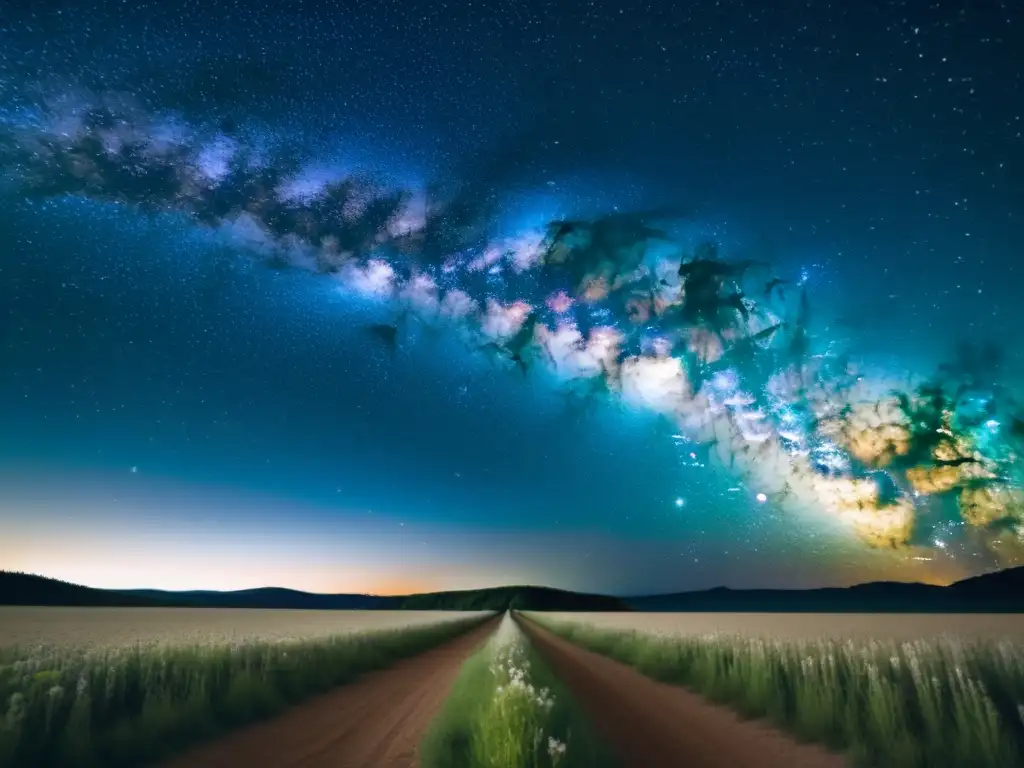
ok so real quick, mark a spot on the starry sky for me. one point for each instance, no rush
(189, 398)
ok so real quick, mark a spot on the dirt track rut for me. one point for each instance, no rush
(377, 720)
(653, 725)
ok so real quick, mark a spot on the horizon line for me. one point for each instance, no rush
(493, 587)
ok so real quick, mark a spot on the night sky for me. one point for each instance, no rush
(199, 388)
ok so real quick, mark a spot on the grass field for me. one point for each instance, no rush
(507, 710)
(109, 627)
(111, 700)
(807, 626)
(885, 699)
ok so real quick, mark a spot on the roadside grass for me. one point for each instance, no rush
(117, 707)
(508, 710)
(939, 703)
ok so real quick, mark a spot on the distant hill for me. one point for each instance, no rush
(526, 598)
(267, 597)
(492, 599)
(998, 592)
(28, 589)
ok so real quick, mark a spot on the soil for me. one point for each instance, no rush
(653, 725)
(376, 720)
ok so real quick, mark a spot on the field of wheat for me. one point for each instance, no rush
(126, 686)
(907, 691)
(114, 627)
(810, 626)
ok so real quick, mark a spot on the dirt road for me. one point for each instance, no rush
(377, 720)
(653, 725)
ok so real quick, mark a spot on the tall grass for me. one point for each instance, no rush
(128, 706)
(940, 703)
(507, 710)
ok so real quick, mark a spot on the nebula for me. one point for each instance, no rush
(611, 306)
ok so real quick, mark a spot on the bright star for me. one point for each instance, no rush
(680, 502)
(762, 498)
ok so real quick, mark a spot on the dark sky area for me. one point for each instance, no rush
(176, 413)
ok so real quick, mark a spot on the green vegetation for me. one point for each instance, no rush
(116, 707)
(507, 710)
(939, 703)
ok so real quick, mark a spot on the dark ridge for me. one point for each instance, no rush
(996, 592)
(269, 597)
(28, 589)
(523, 598)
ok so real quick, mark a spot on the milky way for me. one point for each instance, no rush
(613, 305)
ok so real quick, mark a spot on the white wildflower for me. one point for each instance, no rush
(15, 710)
(556, 748)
